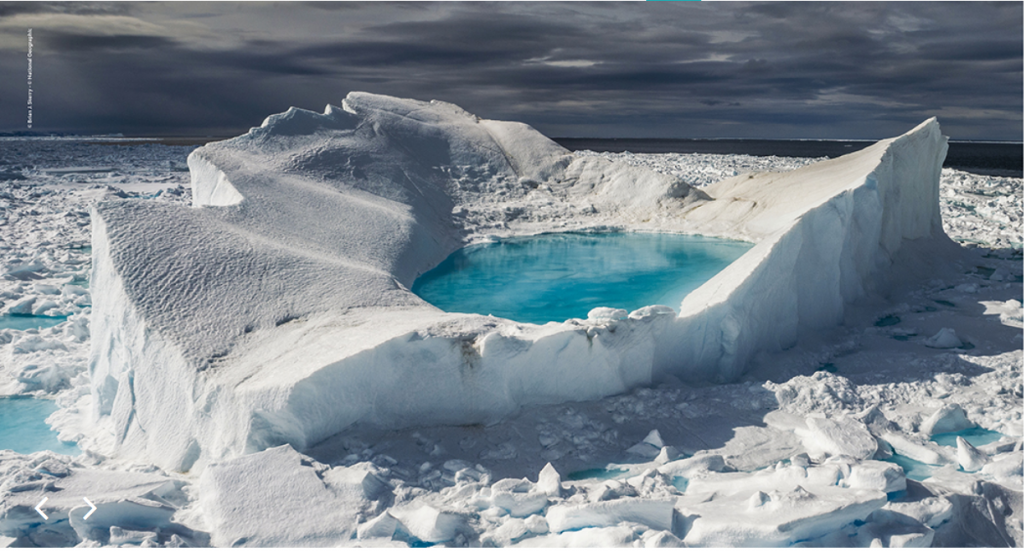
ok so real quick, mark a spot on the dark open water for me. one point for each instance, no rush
(999, 159)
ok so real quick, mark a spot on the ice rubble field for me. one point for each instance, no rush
(797, 452)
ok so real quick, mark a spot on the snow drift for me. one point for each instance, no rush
(277, 309)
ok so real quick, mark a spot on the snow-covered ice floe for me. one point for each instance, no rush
(277, 309)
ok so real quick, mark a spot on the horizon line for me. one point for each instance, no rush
(210, 137)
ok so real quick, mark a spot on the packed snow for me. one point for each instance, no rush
(798, 448)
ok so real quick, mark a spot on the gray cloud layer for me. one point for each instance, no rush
(788, 70)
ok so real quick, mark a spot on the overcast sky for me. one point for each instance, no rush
(656, 69)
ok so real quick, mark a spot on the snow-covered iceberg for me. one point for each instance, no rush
(277, 309)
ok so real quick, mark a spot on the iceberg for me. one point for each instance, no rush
(276, 310)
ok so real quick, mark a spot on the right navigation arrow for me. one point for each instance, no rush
(91, 511)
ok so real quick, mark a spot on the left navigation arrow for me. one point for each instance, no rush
(40, 511)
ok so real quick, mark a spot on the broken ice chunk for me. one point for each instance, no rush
(607, 314)
(667, 454)
(549, 482)
(656, 514)
(429, 524)
(841, 436)
(970, 458)
(876, 475)
(383, 526)
(945, 338)
(948, 418)
(693, 466)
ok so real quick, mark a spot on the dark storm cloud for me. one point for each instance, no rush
(352, 6)
(857, 70)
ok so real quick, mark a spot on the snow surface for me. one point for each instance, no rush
(760, 443)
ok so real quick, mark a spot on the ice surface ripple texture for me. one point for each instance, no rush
(278, 309)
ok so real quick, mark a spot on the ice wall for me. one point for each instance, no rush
(277, 310)
(827, 235)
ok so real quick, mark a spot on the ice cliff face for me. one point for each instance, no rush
(277, 310)
(827, 234)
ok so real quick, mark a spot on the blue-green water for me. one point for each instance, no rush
(912, 468)
(680, 483)
(916, 470)
(23, 427)
(975, 437)
(554, 277)
(22, 322)
(599, 473)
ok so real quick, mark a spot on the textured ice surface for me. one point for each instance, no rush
(555, 277)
